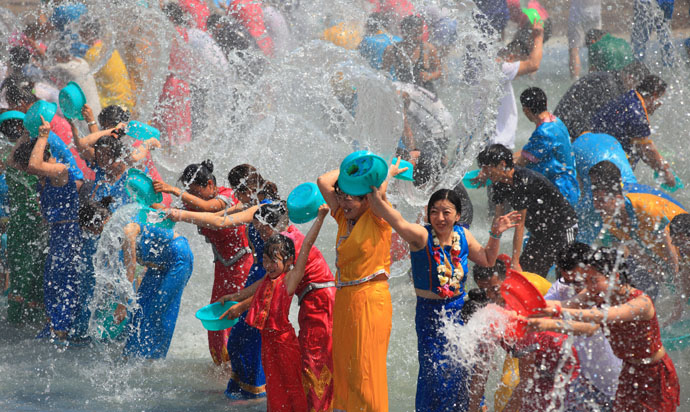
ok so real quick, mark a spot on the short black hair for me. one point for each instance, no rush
(280, 245)
(680, 225)
(495, 154)
(593, 36)
(637, 71)
(245, 176)
(18, 90)
(651, 85)
(377, 21)
(94, 213)
(13, 129)
(272, 213)
(534, 99)
(606, 176)
(198, 174)
(572, 256)
(609, 261)
(175, 14)
(480, 273)
(19, 57)
(113, 115)
(444, 194)
(23, 153)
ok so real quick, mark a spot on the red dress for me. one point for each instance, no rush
(317, 295)
(233, 259)
(552, 365)
(652, 387)
(198, 10)
(63, 130)
(280, 354)
(174, 112)
(251, 15)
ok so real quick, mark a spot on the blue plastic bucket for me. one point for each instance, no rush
(72, 99)
(467, 179)
(32, 119)
(209, 314)
(11, 114)
(407, 174)
(142, 131)
(155, 217)
(140, 188)
(303, 202)
(361, 170)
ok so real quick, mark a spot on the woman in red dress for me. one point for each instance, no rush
(231, 252)
(648, 379)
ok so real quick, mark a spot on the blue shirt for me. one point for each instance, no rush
(424, 267)
(373, 47)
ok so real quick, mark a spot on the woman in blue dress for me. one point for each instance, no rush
(439, 252)
(58, 188)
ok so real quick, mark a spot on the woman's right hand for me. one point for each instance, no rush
(161, 187)
(87, 114)
(44, 129)
(233, 313)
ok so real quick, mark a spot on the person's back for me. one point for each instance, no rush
(624, 118)
(584, 98)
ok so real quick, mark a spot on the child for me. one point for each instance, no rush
(269, 313)
(648, 379)
(231, 252)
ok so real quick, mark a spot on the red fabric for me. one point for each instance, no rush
(227, 279)
(280, 357)
(652, 387)
(551, 364)
(317, 270)
(316, 345)
(251, 15)
(174, 117)
(198, 10)
(401, 8)
(61, 127)
(270, 306)
(637, 339)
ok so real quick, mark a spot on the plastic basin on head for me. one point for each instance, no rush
(361, 170)
(407, 174)
(676, 336)
(303, 202)
(140, 188)
(521, 295)
(142, 131)
(467, 179)
(209, 314)
(32, 119)
(11, 114)
(155, 217)
(72, 99)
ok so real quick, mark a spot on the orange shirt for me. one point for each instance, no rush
(365, 252)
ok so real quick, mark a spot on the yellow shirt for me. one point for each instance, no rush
(364, 253)
(113, 81)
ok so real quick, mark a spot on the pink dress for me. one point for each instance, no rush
(251, 15)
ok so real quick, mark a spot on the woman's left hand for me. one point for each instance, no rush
(161, 187)
(505, 222)
(172, 214)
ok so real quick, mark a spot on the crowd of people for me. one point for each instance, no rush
(570, 196)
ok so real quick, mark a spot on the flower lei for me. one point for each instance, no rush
(448, 277)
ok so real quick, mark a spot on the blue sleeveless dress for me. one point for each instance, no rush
(441, 386)
(160, 292)
(244, 343)
(61, 281)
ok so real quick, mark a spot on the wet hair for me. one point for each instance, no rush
(636, 71)
(19, 57)
(593, 36)
(517, 47)
(230, 36)
(411, 23)
(23, 153)
(481, 273)
(651, 85)
(269, 191)
(198, 174)
(377, 21)
(680, 225)
(213, 20)
(13, 129)
(110, 143)
(534, 99)
(606, 176)
(245, 176)
(609, 261)
(93, 214)
(272, 214)
(444, 194)
(18, 90)
(572, 256)
(113, 115)
(175, 14)
(495, 154)
(280, 245)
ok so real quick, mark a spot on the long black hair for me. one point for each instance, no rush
(280, 245)
(609, 262)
